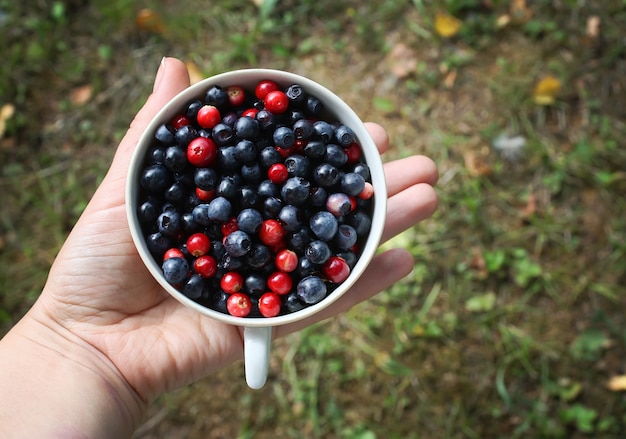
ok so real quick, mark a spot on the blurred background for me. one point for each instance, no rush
(512, 323)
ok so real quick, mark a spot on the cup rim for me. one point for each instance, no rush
(334, 106)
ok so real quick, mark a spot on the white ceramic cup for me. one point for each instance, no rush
(258, 331)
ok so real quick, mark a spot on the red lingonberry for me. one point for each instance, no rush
(205, 266)
(276, 102)
(278, 173)
(229, 226)
(236, 95)
(336, 269)
(352, 203)
(279, 282)
(250, 112)
(180, 120)
(299, 145)
(286, 260)
(205, 195)
(367, 192)
(354, 153)
(208, 116)
(284, 152)
(173, 253)
(231, 282)
(198, 244)
(264, 87)
(271, 233)
(269, 305)
(202, 152)
(239, 305)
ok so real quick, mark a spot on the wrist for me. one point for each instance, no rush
(57, 385)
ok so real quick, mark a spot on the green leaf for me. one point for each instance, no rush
(481, 303)
(494, 261)
(589, 345)
(384, 105)
(581, 416)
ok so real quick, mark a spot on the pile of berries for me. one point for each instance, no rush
(253, 204)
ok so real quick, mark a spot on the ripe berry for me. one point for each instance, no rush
(311, 290)
(173, 253)
(269, 305)
(236, 95)
(279, 282)
(231, 282)
(198, 244)
(264, 87)
(271, 232)
(286, 260)
(276, 102)
(237, 243)
(336, 269)
(202, 152)
(175, 270)
(277, 173)
(208, 116)
(239, 305)
(180, 121)
(367, 192)
(204, 195)
(229, 226)
(205, 266)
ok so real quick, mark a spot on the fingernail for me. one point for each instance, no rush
(159, 75)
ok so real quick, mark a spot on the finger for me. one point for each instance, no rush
(406, 172)
(409, 207)
(379, 135)
(386, 269)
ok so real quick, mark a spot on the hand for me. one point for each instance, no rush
(100, 298)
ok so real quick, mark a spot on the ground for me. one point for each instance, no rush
(512, 322)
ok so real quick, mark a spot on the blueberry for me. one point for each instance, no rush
(237, 243)
(232, 263)
(350, 258)
(158, 243)
(314, 105)
(218, 301)
(176, 193)
(164, 135)
(265, 119)
(268, 189)
(194, 288)
(247, 128)
(170, 223)
(227, 158)
(298, 165)
(229, 186)
(361, 222)
(219, 209)
(149, 211)
(291, 218)
(230, 118)
(311, 290)
(249, 220)
(293, 302)
(156, 155)
(258, 256)
(339, 204)
(245, 151)
(335, 155)
(249, 197)
(346, 237)
(323, 131)
(269, 156)
(189, 225)
(363, 170)
(295, 191)
(255, 284)
(284, 137)
(306, 267)
(216, 95)
(314, 149)
(156, 178)
(222, 134)
(272, 207)
(344, 135)
(200, 214)
(326, 175)
(324, 225)
(252, 172)
(175, 270)
(185, 134)
(176, 158)
(192, 108)
(352, 183)
(317, 252)
(299, 240)
(303, 129)
(296, 94)
(206, 178)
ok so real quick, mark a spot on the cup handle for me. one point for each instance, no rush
(256, 347)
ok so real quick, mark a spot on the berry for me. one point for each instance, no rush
(317, 252)
(231, 282)
(284, 137)
(279, 282)
(344, 135)
(255, 285)
(175, 270)
(155, 178)
(367, 192)
(278, 173)
(236, 95)
(324, 225)
(219, 209)
(249, 220)
(238, 243)
(198, 244)
(229, 226)
(202, 152)
(276, 102)
(247, 127)
(239, 305)
(271, 232)
(286, 260)
(173, 253)
(339, 204)
(311, 290)
(208, 116)
(296, 94)
(180, 121)
(206, 178)
(346, 237)
(295, 191)
(352, 183)
(245, 151)
(194, 287)
(264, 87)
(269, 305)
(216, 96)
(205, 266)
(336, 269)
(170, 223)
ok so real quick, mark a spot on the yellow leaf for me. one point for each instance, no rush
(195, 74)
(446, 25)
(546, 90)
(617, 383)
(150, 21)
(6, 112)
(81, 95)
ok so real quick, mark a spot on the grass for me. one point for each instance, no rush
(511, 323)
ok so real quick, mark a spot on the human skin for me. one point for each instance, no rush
(103, 340)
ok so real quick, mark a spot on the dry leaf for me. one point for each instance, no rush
(6, 112)
(503, 21)
(150, 21)
(195, 74)
(476, 165)
(546, 90)
(402, 60)
(450, 79)
(81, 95)
(446, 25)
(520, 13)
(593, 27)
(617, 383)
